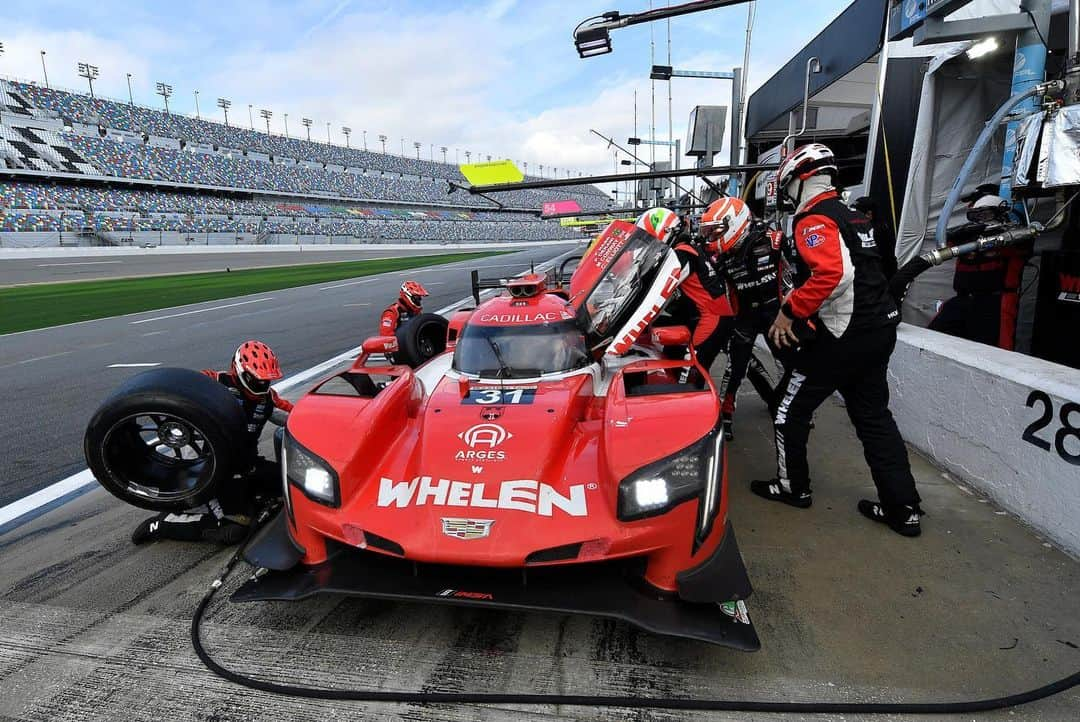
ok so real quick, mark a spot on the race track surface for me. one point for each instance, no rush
(94, 628)
(77, 267)
(53, 379)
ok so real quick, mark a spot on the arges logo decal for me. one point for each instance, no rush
(527, 495)
(483, 440)
(487, 435)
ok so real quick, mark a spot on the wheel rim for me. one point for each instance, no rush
(428, 340)
(159, 456)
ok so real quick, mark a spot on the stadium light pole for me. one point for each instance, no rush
(443, 149)
(364, 132)
(164, 90)
(224, 104)
(251, 118)
(43, 70)
(306, 122)
(89, 72)
(286, 125)
(266, 115)
(346, 131)
(416, 144)
(382, 139)
(197, 115)
(468, 156)
(131, 96)
(403, 147)
(431, 152)
(328, 132)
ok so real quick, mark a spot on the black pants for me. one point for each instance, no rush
(856, 367)
(746, 328)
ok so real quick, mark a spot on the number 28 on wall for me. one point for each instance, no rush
(1067, 439)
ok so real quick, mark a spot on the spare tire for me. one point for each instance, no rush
(420, 339)
(166, 439)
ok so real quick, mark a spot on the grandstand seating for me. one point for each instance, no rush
(416, 179)
(53, 131)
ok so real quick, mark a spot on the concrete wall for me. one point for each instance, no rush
(972, 409)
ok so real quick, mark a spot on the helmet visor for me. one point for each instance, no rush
(254, 384)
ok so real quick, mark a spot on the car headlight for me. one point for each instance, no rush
(310, 474)
(662, 485)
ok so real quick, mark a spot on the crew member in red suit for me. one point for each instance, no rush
(225, 519)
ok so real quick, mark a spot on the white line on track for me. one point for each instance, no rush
(77, 263)
(74, 485)
(200, 310)
(134, 366)
(42, 358)
(350, 283)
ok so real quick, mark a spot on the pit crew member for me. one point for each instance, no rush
(699, 282)
(410, 303)
(225, 519)
(839, 284)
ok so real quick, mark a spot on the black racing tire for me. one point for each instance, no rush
(421, 339)
(198, 417)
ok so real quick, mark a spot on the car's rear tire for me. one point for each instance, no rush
(421, 339)
(166, 439)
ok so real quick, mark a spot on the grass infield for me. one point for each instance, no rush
(40, 305)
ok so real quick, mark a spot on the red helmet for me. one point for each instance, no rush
(726, 222)
(254, 365)
(412, 295)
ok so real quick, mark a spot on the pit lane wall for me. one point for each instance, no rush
(1004, 423)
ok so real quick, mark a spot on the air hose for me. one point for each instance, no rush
(941, 232)
(580, 700)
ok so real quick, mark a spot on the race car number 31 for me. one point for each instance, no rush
(499, 397)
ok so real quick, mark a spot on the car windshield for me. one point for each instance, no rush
(515, 352)
(620, 286)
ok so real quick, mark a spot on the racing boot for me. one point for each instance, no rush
(195, 525)
(727, 416)
(904, 520)
(776, 490)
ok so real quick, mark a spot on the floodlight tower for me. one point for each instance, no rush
(164, 90)
(306, 122)
(197, 116)
(224, 104)
(328, 132)
(131, 96)
(346, 131)
(266, 115)
(416, 144)
(286, 125)
(443, 149)
(90, 72)
(383, 139)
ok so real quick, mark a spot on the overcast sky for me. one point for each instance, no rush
(499, 77)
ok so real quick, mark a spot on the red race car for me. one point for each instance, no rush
(562, 454)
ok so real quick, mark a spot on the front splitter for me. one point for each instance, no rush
(589, 589)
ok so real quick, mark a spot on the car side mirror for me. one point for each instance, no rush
(380, 344)
(671, 336)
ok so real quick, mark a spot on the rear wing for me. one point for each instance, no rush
(553, 281)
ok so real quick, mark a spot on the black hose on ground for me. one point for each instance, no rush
(578, 700)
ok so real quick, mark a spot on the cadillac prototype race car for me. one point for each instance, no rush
(552, 458)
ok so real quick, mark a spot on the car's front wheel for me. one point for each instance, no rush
(166, 439)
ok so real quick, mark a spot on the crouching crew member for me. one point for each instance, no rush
(410, 303)
(750, 264)
(225, 520)
(840, 285)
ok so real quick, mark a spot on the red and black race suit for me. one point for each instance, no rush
(393, 317)
(753, 271)
(704, 286)
(257, 411)
(987, 289)
(838, 275)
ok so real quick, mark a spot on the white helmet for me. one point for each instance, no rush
(660, 223)
(988, 209)
(805, 161)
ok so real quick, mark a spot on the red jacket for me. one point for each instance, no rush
(392, 318)
(226, 378)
